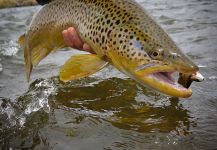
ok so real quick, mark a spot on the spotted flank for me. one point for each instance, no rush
(120, 32)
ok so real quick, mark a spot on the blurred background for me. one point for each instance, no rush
(108, 111)
(16, 3)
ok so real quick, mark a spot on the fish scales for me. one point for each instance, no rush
(95, 20)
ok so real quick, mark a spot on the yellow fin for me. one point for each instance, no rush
(36, 50)
(80, 66)
(21, 40)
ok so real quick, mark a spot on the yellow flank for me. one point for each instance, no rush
(120, 33)
(80, 66)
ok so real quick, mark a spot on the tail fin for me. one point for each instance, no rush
(27, 56)
(43, 2)
(34, 55)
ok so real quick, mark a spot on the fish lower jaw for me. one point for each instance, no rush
(165, 83)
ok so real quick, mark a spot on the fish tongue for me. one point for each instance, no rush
(187, 79)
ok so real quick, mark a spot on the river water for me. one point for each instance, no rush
(109, 111)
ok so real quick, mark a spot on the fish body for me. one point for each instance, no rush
(120, 32)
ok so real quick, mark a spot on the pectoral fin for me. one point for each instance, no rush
(80, 66)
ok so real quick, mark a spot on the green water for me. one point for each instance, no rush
(109, 111)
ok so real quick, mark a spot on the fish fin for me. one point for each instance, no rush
(28, 63)
(36, 54)
(81, 66)
(21, 40)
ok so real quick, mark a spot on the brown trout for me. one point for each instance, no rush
(120, 32)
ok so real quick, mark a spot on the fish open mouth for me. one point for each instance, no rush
(164, 77)
(161, 78)
(165, 82)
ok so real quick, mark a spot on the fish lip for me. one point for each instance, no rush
(167, 81)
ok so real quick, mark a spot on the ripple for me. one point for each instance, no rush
(165, 20)
(212, 78)
(1, 68)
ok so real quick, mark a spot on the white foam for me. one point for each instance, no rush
(9, 48)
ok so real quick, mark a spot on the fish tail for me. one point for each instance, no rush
(27, 56)
(28, 62)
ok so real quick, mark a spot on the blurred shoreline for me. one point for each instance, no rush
(16, 3)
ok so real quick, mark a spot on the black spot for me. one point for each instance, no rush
(103, 39)
(97, 21)
(117, 22)
(109, 32)
(97, 40)
(134, 53)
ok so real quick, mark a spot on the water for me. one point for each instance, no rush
(108, 110)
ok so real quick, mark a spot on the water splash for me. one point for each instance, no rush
(9, 48)
(39, 96)
(35, 99)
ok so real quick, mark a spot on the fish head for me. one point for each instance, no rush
(151, 60)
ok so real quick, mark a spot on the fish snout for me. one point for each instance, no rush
(182, 63)
(186, 68)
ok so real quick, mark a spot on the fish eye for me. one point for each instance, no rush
(154, 55)
(157, 54)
